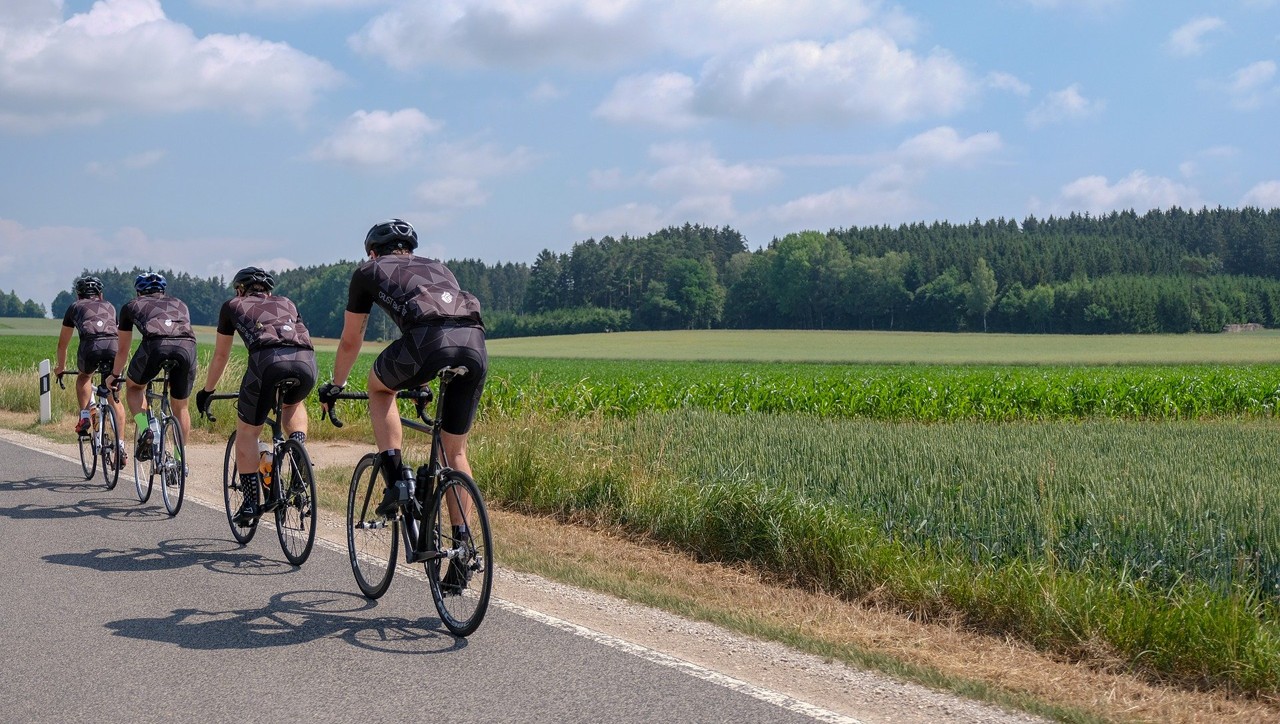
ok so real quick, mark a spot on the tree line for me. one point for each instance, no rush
(1164, 271)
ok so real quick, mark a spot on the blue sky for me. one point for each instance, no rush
(207, 135)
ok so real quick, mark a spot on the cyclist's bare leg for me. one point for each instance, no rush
(384, 415)
(247, 446)
(84, 388)
(136, 395)
(455, 456)
(182, 412)
(294, 418)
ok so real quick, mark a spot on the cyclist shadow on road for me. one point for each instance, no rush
(292, 618)
(221, 556)
(69, 484)
(109, 509)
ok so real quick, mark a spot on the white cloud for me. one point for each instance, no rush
(663, 100)
(289, 7)
(125, 56)
(108, 169)
(944, 145)
(881, 198)
(1137, 191)
(478, 159)
(1007, 82)
(1265, 195)
(694, 169)
(377, 139)
(546, 91)
(594, 33)
(863, 77)
(1066, 104)
(1189, 38)
(1253, 85)
(1092, 6)
(452, 193)
(631, 218)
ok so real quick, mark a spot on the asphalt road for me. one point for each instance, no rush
(112, 611)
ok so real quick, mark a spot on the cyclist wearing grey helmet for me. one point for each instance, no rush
(95, 320)
(165, 325)
(279, 348)
(440, 327)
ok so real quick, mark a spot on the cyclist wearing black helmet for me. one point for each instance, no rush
(165, 324)
(279, 348)
(95, 319)
(440, 327)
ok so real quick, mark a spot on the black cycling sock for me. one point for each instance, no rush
(249, 481)
(298, 435)
(391, 463)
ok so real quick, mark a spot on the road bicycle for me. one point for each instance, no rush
(286, 485)
(444, 525)
(103, 441)
(167, 457)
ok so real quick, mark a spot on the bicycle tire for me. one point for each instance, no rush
(88, 455)
(233, 494)
(296, 515)
(142, 483)
(461, 607)
(173, 477)
(110, 447)
(372, 541)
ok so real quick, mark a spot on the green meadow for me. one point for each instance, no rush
(1063, 490)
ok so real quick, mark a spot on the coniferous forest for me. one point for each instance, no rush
(1164, 271)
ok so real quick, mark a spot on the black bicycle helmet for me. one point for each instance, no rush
(149, 282)
(88, 287)
(389, 235)
(252, 275)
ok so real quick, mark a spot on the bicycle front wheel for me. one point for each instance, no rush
(173, 466)
(296, 515)
(372, 540)
(143, 471)
(233, 494)
(111, 448)
(461, 578)
(89, 454)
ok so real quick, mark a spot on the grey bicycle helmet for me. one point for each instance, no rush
(149, 282)
(88, 287)
(251, 276)
(389, 235)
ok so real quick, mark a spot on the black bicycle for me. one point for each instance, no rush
(287, 484)
(444, 526)
(102, 441)
(166, 457)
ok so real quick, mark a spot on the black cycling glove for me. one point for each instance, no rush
(202, 401)
(328, 393)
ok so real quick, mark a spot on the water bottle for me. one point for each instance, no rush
(264, 463)
(154, 425)
(404, 486)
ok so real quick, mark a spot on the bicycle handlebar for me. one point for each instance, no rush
(421, 396)
(114, 390)
(214, 398)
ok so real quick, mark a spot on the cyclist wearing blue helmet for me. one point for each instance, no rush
(165, 324)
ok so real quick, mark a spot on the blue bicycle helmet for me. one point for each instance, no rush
(389, 235)
(149, 282)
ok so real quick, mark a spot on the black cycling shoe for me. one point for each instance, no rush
(143, 450)
(455, 579)
(247, 514)
(391, 502)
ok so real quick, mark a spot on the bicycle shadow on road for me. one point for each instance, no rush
(290, 619)
(69, 484)
(118, 510)
(221, 556)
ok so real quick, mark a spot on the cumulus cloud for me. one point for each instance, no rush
(377, 139)
(1253, 85)
(1137, 191)
(589, 33)
(126, 56)
(452, 193)
(881, 198)
(1007, 82)
(1265, 195)
(1189, 38)
(1064, 105)
(695, 169)
(944, 145)
(286, 7)
(863, 77)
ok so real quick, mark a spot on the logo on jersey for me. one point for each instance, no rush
(447, 298)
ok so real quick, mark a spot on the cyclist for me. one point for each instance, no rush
(95, 319)
(440, 327)
(165, 325)
(279, 348)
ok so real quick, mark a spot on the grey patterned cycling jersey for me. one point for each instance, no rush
(414, 291)
(92, 318)
(157, 316)
(264, 321)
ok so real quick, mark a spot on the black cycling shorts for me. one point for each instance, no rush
(96, 353)
(147, 359)
(416, 358)
(267, 367)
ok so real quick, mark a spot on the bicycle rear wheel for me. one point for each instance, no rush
(88, 454)
(143, 472)
(461, 579)
(372, 540)
(296, 516)
(110, 447)
(173, 475)
(233, 494)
